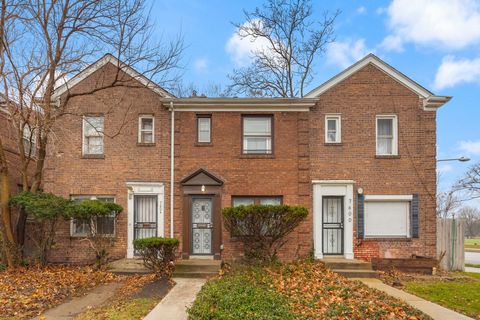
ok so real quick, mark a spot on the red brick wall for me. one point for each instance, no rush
(68, 174)
(359, 99)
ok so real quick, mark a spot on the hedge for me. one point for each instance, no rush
(158, 254)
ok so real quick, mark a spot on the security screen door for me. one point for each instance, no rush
(332, 225)
(202, 225)
(145, 216)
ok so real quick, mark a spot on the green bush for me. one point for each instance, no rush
(87, 209)
(158, 254)
(263, 228)
(238, 297)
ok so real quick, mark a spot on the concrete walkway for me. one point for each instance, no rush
(174, 305)
(68, 310)
(433, 310)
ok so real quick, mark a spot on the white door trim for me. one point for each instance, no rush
(333, 188)
(144, 188)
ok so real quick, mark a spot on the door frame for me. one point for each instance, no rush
(212, 199)
(342, 223)
(147, 189)
(323, 188)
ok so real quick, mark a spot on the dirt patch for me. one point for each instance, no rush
(156, 289)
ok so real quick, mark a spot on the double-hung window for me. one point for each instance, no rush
(93, 135)
(387, 136)
(387, 216)
(29, 141)
(101, 225)
(333, 133)
(257, 134)
(204, 128)
(146, 129)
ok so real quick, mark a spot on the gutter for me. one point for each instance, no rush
(172, 164)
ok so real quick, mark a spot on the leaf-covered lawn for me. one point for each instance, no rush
(27, 291)
(462, 295)
(300, 290)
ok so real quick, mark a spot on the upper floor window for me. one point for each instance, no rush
(204, 129)
(100, 225)
(333, 131)
(146, 129)
(29, 141)
(387, 140)
(93, 135)
(257, 134)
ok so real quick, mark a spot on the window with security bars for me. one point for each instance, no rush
(104, 225)
(257, 134)
(93, 135)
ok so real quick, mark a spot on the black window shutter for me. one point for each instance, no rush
(360, 216)
(415, 215)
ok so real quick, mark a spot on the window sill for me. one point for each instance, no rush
(396, 239)
(203, 144)
(93, 156)
(387, 156)
(257, 156)
(145, 144)
(333, 144)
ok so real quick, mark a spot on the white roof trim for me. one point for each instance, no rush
(108, 58)
(374, 60)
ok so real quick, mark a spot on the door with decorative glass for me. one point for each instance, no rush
(332, 225)
(202, 224)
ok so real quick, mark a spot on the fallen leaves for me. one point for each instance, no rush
(27, 291)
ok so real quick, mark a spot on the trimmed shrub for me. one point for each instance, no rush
(239, 297)
(262, 228)
(158, 254)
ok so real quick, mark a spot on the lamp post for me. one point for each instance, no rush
(461, 159)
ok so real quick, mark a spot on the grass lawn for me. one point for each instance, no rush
(126, 310)
(473, 243)
(299, 290)
(462, 295)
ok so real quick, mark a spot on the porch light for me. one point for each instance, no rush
(203, 188)
(360, 190)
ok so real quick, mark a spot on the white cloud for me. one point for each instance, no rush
(381, 10)
(444, 168)
(454, 71)
(200, 65)
(469, 147)
(241, 48)
(361, 10)
(347, 52)
(452, 24)
(392, 43)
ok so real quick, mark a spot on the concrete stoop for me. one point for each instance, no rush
(183, 268)
(350, 268)
(196, 268)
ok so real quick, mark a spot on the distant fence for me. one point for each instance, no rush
(450, 243)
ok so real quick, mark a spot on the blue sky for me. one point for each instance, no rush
(436, 43)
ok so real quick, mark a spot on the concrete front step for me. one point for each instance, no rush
(355, 273)
(128, 267)
(196, 268)
(356, 265)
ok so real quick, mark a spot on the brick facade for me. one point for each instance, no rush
(300, 156)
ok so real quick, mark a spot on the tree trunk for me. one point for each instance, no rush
(8, 238)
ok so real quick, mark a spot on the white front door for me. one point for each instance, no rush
(333, 218)
(145, 212)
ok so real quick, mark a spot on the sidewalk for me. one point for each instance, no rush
(174, 305)
(433, 310)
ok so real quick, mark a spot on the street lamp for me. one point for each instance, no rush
(461, 159)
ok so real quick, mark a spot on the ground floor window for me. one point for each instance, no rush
(248, 200)
(387, 218)
(103, 225)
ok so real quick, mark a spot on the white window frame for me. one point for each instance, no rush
(140, 130)
(204, 116)
(338, 124)
(72, 221)
(84, 121)
(406, 199)
(29, 137)
(394, 119)
(246, 151)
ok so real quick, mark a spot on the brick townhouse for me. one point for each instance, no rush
(358, 151)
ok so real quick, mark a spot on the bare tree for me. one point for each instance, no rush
(447, 204)
(49, 42)
(472, 218)
(211, 90)
(293, 40)
(470, 183)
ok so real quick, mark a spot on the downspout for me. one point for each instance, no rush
(172, 163)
